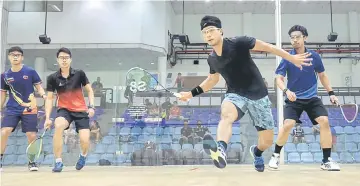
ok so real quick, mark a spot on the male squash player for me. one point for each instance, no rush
(246, 89)
(19, 81)
(69, 84)
(301, 92)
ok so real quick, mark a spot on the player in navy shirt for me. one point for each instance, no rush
(19, 81)
(301, 95)
(246, 90)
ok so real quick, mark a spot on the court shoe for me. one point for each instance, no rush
(258, 161)
(58, 167)
(274, 161)
(330, 165)
(33, 166)
(215, 151)
(81, 162)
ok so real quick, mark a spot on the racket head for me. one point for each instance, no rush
(34, 149)
(139, 79)
(349, 111)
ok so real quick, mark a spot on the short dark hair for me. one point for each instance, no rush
(300, 28)
(64, 50)
(16, 49)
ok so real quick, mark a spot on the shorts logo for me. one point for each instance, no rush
(26, 77)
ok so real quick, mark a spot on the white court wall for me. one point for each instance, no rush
(94, 22)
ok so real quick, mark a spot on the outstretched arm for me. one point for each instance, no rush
(297, 60)
(205, 86)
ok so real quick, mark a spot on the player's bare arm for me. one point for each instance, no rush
(90, 92)
(205, 86)
(280, 82)
(3, 99)
(48, 108)
(40, 90)
(210, 82)
(298, 60)
(324, 79)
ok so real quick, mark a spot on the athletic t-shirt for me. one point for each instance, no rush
(238, 69)
(69, 90)
(21, 89)
(302, 82)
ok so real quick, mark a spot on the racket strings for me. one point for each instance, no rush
(350, 112)
(134, 74)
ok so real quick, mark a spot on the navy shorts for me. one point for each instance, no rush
(313, 107)
(28, 122)
(259, 110)
(81, 119)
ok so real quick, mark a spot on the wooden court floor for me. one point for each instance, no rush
(239, 175)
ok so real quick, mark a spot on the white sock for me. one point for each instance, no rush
(58, 160)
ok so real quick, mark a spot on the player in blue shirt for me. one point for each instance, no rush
(19, 81)
(301, 93)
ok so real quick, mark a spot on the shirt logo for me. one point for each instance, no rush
(26, 77)
(61, 84)
(10, 79)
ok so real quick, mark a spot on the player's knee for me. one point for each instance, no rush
(6, 131)
(323, 121)
(31, 136)
(60, 123)
(288, 125)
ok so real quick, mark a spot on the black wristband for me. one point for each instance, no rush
(197, 91)
(331, 93)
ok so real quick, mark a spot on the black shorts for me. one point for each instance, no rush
(313, 107)
(81, 119)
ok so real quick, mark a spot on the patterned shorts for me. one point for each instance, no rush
(259, 110)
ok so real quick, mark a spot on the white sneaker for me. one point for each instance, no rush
(331, 165)
(274, 161)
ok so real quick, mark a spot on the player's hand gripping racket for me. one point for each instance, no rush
(349, 111)
(139, 80)
(34, 149)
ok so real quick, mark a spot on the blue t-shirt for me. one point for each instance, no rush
(302, 82)
(21, 88)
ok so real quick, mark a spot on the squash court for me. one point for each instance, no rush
(240, 175)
